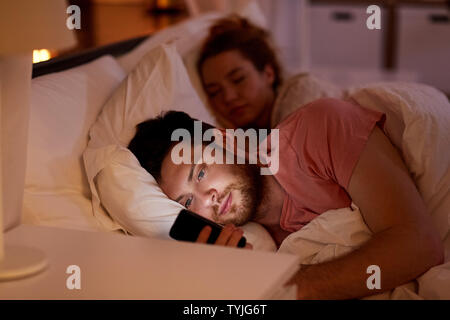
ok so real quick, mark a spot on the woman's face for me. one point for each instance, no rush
(237, 91)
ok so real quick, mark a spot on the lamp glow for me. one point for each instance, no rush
(163, 4)
(41, 55)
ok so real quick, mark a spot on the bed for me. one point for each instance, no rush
(81, 176)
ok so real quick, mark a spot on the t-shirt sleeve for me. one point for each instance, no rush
(329, 135)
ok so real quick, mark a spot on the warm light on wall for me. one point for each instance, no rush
(162, 4)
(41, 55)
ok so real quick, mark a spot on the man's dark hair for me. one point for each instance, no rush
(152, 141)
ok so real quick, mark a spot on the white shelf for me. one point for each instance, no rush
(424, 44)
(340, 38)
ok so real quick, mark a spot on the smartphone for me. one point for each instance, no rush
(187, 227)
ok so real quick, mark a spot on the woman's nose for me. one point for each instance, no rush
(229, 94)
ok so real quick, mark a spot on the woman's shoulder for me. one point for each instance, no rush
(300, 90)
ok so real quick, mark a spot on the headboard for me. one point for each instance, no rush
(73, 60)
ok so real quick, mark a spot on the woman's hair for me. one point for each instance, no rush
(237, 33)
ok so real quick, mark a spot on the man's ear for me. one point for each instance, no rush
(269, 74)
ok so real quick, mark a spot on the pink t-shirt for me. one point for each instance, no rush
(319, 146)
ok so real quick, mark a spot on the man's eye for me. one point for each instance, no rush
(188, 202)
(201, 174)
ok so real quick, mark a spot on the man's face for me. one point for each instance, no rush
(224, 193)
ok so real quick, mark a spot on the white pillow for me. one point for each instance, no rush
(158, 83)
(131, 195)
(188, 35)
(418, 124)
(184, 35)
(64, 105)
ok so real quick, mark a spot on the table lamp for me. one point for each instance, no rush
(24, 25)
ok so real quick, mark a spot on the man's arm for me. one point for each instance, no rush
(404, 243)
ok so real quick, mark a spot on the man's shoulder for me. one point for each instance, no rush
(311, 113)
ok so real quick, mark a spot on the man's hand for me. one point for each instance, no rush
(229, 236)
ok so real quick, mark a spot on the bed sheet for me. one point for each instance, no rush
(65, 209)
(63, 107)
(338, 232)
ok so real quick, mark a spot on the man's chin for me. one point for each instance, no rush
(237, 221)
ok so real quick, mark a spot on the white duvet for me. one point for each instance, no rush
(418, 124)
(337, 232)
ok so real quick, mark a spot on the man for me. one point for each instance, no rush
(332, 152)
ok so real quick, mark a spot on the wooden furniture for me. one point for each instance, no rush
(84, 56)
(108, 22)
(415, 37)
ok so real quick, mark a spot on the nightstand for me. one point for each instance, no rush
(115, 266)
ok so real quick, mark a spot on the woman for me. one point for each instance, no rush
(243, 79)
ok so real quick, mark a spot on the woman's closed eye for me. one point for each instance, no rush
(213, 90)
(238, 80)
(214, 93)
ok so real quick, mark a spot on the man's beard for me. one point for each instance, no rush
(250, 186)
